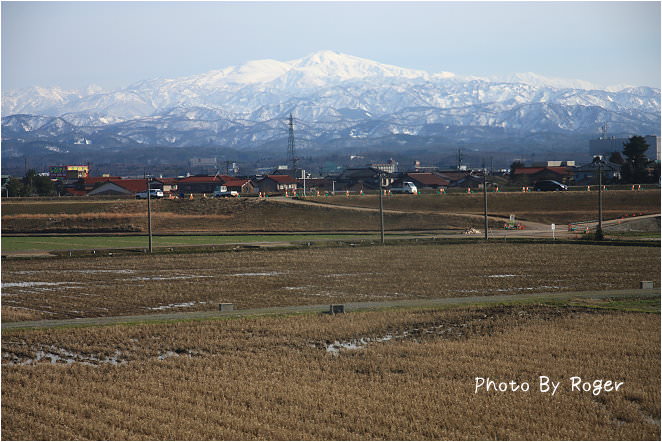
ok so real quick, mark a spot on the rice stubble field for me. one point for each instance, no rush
(390, 375)
(133, 285)
(398, 374)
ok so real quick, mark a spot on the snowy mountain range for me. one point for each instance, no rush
(335, 98)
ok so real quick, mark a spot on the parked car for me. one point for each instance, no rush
(154, 193)
(407, 187)
(549, 186)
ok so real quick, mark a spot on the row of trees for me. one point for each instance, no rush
(30, 185)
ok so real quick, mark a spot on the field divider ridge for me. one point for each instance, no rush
(322, 308)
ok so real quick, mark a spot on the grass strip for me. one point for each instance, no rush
(626, 300)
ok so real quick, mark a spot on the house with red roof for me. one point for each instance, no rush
(455, 178)
(530, 175)
(120, 187)
(90, 182)
(241, 185)
(276, 184)
(87, 184)
(201, 183)
(426, 180)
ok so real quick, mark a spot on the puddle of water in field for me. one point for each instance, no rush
(56, 355)
(183, 304)
(530, 288)
(340, 275)
(336, 347)
(511, 289)
(502, 276)
(33, 284)
(168, 354)
(166, 278)
(257, 274)
(10, 304)
(91, 271)
(174, 354)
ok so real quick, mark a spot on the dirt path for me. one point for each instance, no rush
(321, 308)
(533, 225)
(532, 229)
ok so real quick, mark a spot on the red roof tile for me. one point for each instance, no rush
(166, 180)
(235, 183)
(75, 192)
(282, 179)
(132, 185)
(428, 179)
(453, 176)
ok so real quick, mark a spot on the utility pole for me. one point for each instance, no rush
(303, 175)
(598, 234)
(597, 161)
(485, 198)
(381, 207)
(149, 213)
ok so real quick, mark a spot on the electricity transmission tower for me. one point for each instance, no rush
(291, 159)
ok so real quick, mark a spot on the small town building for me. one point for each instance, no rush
(91, 182)
(68, 172)
(314, 185)
(530, 175)
(201, 184)
(241, 185)
(426, 180)
(276, 184)
(391, 166)
(165, 184)
(120, 187)
(587, 174)
(363, 178)
(455, 178)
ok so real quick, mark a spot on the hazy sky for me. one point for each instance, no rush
(112, 44)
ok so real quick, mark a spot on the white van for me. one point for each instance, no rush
(407, 187)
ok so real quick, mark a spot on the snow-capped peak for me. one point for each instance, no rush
(538, 80)
(348, 67)
(261, 89)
